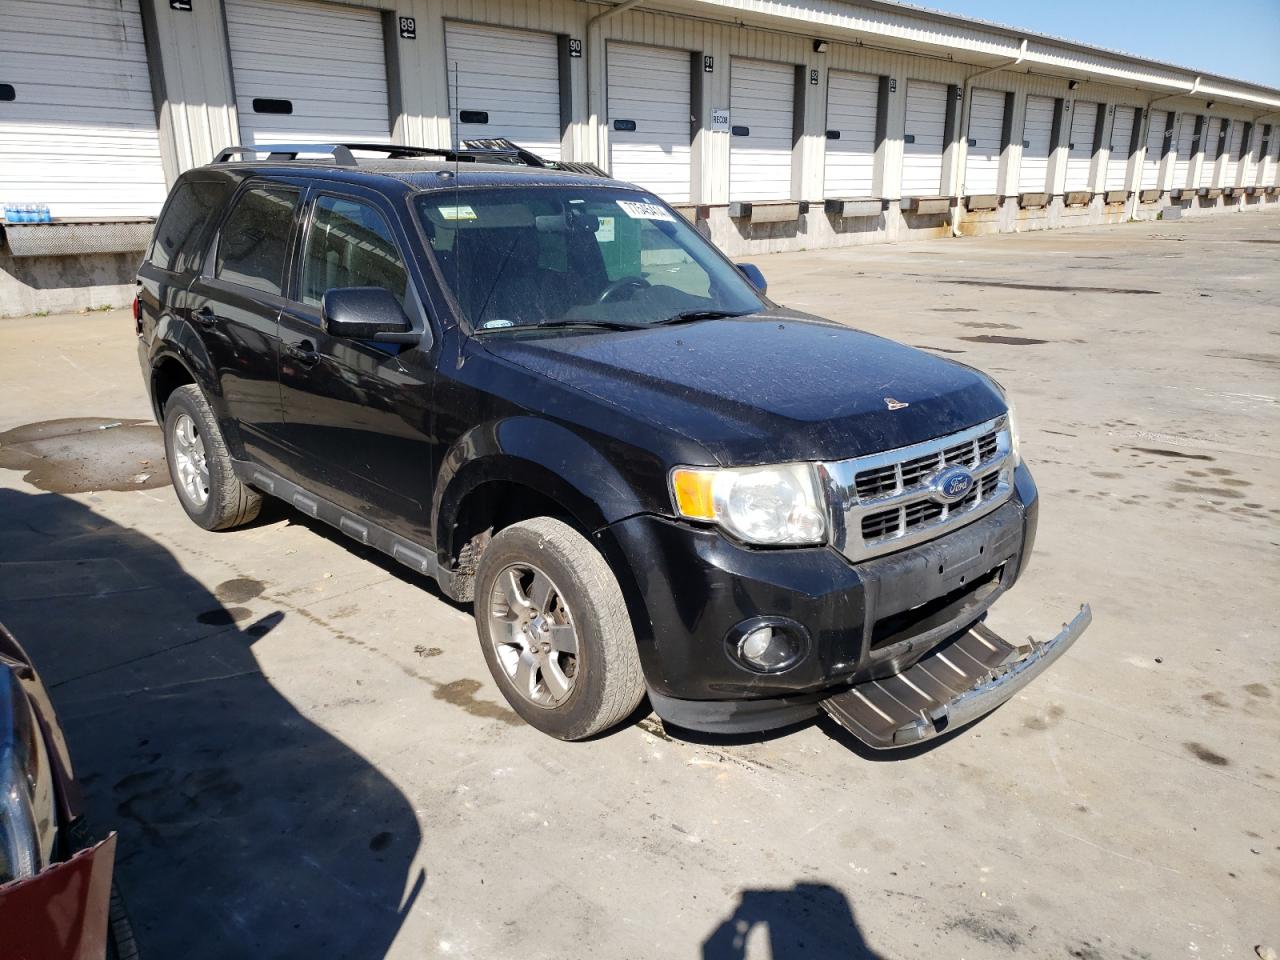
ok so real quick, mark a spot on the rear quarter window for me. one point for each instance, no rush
(184, 223)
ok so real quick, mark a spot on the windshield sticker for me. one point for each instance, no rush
(496, 324)
(604, 234)
(457, 213)
(644, 211)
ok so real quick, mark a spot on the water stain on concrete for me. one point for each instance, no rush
(983, 325)
(1215, 698)
(1181, 486)
(1160, 452)
(953, 309)
(462, 693)
(1008, 341)
(984, 931)
(1201, 752)
(87, 454)
(1260, 690)
(238, 590)
(1050, 287)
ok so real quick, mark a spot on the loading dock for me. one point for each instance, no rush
(504, 83)
(649, 110)
(852, 114)
(925, 139)
(308, 72)
(762, 136)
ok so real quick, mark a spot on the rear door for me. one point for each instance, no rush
(355, 411)
(235, 304)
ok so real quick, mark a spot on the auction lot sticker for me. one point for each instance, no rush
(644, 211)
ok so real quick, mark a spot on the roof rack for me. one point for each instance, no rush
(289, 151)
(491, 150)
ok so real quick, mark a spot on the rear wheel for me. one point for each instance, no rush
(555, 630)
(200, 465)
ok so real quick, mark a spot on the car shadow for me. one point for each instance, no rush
(813, 921)
(246, 830)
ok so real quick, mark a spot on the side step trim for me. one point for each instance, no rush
(953, 686)
(413, 555)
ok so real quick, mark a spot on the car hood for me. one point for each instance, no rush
(769, 387)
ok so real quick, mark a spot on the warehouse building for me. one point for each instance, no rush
(773, 124)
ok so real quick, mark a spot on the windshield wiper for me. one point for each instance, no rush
(601, 324)
(688, 316)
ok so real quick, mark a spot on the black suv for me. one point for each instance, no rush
(548, 391)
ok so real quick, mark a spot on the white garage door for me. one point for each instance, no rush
(1209, 146)
(1121, 141)
(852, 101)
(923, 146)
(504, 83)
(79, 135)
(1037, 132)
(1156, 128)
(1273, 170)
(760, 108)
(1184, 144)
(1267, 148)
(309, 72)
(1084, 122)
(649, 118)
(1235, 143)
(986, 132)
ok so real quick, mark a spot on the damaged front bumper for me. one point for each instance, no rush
(950, 687)
(62, 912)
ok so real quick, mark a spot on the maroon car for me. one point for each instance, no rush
(55, 881)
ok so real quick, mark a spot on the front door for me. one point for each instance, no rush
(356, 412)
(234, 305)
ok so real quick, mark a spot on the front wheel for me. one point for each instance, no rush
(555, 630)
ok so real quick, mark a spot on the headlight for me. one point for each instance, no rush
(766, 506)
(28, 823)
(1013, 432)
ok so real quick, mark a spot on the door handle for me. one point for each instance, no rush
(304, 351)
(205, 316)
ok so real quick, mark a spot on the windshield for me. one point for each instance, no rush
(539, 256)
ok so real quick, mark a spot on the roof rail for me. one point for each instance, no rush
(502, 147)
(493, 150)
(289, 151)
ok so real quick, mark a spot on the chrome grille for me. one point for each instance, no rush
(885, 502)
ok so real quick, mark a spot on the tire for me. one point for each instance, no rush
(192, 439)
(606, 683)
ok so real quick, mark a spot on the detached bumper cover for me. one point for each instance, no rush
(60, 913)
(952, 686)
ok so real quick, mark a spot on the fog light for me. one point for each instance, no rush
(768, 644)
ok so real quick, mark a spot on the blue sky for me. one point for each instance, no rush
(1235, 38)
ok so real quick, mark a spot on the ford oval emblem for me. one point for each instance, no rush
(952, 484)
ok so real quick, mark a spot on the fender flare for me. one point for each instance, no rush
(537, 453)
(179, 342)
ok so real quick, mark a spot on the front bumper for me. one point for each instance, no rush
(955, 685)
(689, 587)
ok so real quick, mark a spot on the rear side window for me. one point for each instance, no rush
(255, 239)
(181, 227)
(350, 245)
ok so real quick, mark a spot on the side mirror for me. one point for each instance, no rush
(366, 313)
(753, 275)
